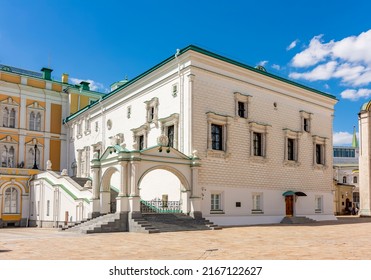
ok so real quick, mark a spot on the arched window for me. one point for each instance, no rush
(344, 179)
(32, 121)
(11, 201)
(7, 156)
(38, 122)
(5, 117)
(11, 157)
(30, 157)
(12, 118)
(4, 156)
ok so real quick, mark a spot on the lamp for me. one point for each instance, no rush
(35, 164)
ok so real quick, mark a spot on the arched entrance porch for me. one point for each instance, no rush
(132, 167)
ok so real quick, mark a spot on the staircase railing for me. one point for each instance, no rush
(159, 206)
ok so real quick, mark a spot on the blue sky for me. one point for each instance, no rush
(322, 44)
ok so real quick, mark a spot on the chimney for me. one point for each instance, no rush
(85, 85)
(65, 78)
(47, 73)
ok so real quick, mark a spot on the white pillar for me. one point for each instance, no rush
(195, 198)
(122, 202)
(134, 198)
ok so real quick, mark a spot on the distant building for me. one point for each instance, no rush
(32, 106)
(346, 176)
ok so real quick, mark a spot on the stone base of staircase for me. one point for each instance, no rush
(297, 220)
(154, 223)
(136, 222)
(115, 222)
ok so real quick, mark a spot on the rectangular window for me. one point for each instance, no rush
(306, 124)
(47, 207)
(241, 109)
(128, 113)
(257, 202)
(258, 144)
(170, 135)
(151, 114)
(141, 142)
(318, 204)
(217, 137)
(215, 202)
(319, 154)
(290, 149)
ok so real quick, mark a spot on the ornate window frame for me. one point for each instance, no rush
(172, 120)
(83, 162)
(306, 121)
(6, 145)
(245, 100)
(319, 143)
(257, 203)
(10, 106)
(263, 129)
(15, 194)
(87, 128)
(152, 111)
(38, 113)
(294, 135)
(137, 133)
(224, 122)
(30, 154)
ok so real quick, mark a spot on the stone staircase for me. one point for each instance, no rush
(146, 223)
(80, 180)
(115, 222)
(297, 220)
(174, 222)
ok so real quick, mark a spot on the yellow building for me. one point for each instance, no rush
(32, 106)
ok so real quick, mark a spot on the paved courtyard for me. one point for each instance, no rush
(345, 239)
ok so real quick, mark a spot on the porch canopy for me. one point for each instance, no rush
(287, 193)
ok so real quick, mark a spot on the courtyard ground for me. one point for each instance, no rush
(345, 239)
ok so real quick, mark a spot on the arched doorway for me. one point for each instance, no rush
(163, 190)
(109, 190)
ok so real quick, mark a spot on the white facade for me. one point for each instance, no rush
(241, 139)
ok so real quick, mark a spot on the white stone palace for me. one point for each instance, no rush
(199, 134)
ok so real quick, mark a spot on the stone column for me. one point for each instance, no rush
(122, 202)
(195, 198)
(365, 164)
(134, 198)
(96, 170)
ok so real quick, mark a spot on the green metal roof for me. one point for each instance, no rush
(205, 52)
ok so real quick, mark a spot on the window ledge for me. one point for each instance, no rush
(319, 167)
(257, 212)
(217, 154)
(87, 132)
(79, 136)
(217, 212)
(258, 159)
(318, 211)
(291, 163)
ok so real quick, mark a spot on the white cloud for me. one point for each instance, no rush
(354, 95)
(292, 45)
(94, 86)
(348, 60)
(342, 138)
(321, 72)
(263, 63)
(315, 53)
(276, 66)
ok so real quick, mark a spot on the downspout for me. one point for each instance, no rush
(181, 111)
(30, 202)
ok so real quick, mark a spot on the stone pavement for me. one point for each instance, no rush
(345, 239)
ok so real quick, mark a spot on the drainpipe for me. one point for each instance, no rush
(30, 202)
(181, 112)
